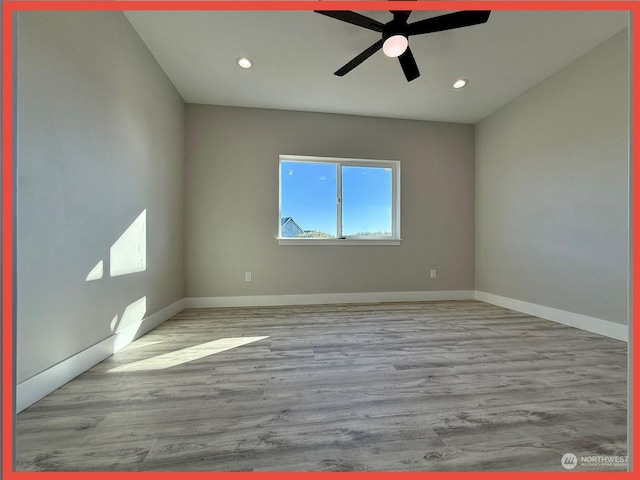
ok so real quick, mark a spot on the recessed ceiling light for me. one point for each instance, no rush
(243, 62)
(460, 83)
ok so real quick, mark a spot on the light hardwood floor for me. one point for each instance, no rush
(436, 386)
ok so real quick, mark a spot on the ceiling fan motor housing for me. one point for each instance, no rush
(394, 27)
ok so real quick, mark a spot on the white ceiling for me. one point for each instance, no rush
(296, 52)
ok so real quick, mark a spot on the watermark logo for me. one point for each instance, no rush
(569, 461)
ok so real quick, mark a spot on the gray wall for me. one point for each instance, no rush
(552, 191)
(100, 139)
(232, 204)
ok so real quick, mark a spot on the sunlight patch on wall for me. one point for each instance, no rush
(114, 323)
(96, 272)
(129, 253)
(186, 355)
(134, 313)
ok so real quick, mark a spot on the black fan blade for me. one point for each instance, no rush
(448, 22)
(409, 65)
(354, 19)
(359, 59)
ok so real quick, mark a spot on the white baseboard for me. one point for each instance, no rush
(37, 387)
(327, 298)
(606, 328)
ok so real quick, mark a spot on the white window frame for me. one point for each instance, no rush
(394, 165)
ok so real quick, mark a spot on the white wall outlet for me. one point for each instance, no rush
(434, 274)
(247, 276)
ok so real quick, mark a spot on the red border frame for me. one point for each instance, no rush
(9, 7)
(16, 5)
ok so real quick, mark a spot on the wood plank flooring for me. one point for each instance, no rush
(435, 386)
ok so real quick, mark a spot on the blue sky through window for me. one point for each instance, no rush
(366, 199)
(309, 195)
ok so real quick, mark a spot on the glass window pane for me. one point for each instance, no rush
(308, 200)
(366, 201)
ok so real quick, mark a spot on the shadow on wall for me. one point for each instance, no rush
(127, 255)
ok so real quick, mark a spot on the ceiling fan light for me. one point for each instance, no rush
(395, 45)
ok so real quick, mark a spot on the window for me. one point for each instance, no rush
(339, 201)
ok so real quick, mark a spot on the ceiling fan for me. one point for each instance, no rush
(396, 33)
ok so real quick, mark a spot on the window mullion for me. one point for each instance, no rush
(339, 201)
(394, 203)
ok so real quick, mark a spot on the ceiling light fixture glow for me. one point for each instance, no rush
(395, 45)
(458, 84)
(244, 62)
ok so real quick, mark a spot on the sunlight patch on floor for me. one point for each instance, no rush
(171, 359)
(136, 345)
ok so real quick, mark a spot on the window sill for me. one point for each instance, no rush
(338, 241)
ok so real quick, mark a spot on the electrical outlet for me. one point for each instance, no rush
(247, 276)
(433, 274)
